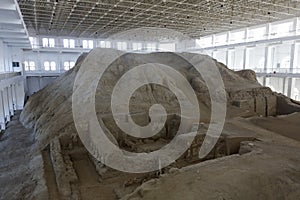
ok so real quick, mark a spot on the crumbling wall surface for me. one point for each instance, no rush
(247, 74)
(286, 106)
(261, 174)
(261, 101)
(49, 111)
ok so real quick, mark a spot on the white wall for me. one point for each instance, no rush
(36, 83)
(9, 55)
(58, 57)
(2, 68)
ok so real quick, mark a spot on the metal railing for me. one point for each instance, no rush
(278, 70)
(6, 75)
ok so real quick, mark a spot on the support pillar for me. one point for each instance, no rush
(15, 98)
(291, 86)
(40, 80)
(10, 101)
(60, 66)
(268, 31)
(2, 112)
(264, 81)
(285, 86)
(295, 25)
(294, 57)
(20, 95)
(267, 59)
(6, 104)
(229, 59)
(246, 59)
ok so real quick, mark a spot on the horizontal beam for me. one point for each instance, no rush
(6, 75)
(42, 74)
(279, 75)
(10, 21)
(13, 35)
(16, 40)
(249, 44)
(19, 45)
(17, 30)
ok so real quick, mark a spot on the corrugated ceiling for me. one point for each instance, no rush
(102, 18)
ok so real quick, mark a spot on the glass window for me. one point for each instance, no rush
(119, 45)
(105, 44)
(53, 66)
(26, 66)
(220, 56)
(33, 42)
(167, 47)
(72, 64)
(66, 66)
(51, 42)
(66, 43)
(91, 44)
(108, 44)
(236, 59)
(297, 62)
(85, 44)
(49, 66)
(69, 43)
(151, 46)
(72, 43)
(31, 65)
(239, 58)
(257, 58)
(280, 58)
(275, 83)
(122, 46)
(45, 42)
(48, 42)
(137, 46)
(46, 65)
(101, 44)
(298, 26)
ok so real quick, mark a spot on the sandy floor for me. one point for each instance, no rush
(269, 172)
(16, 158)
(284, 125)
